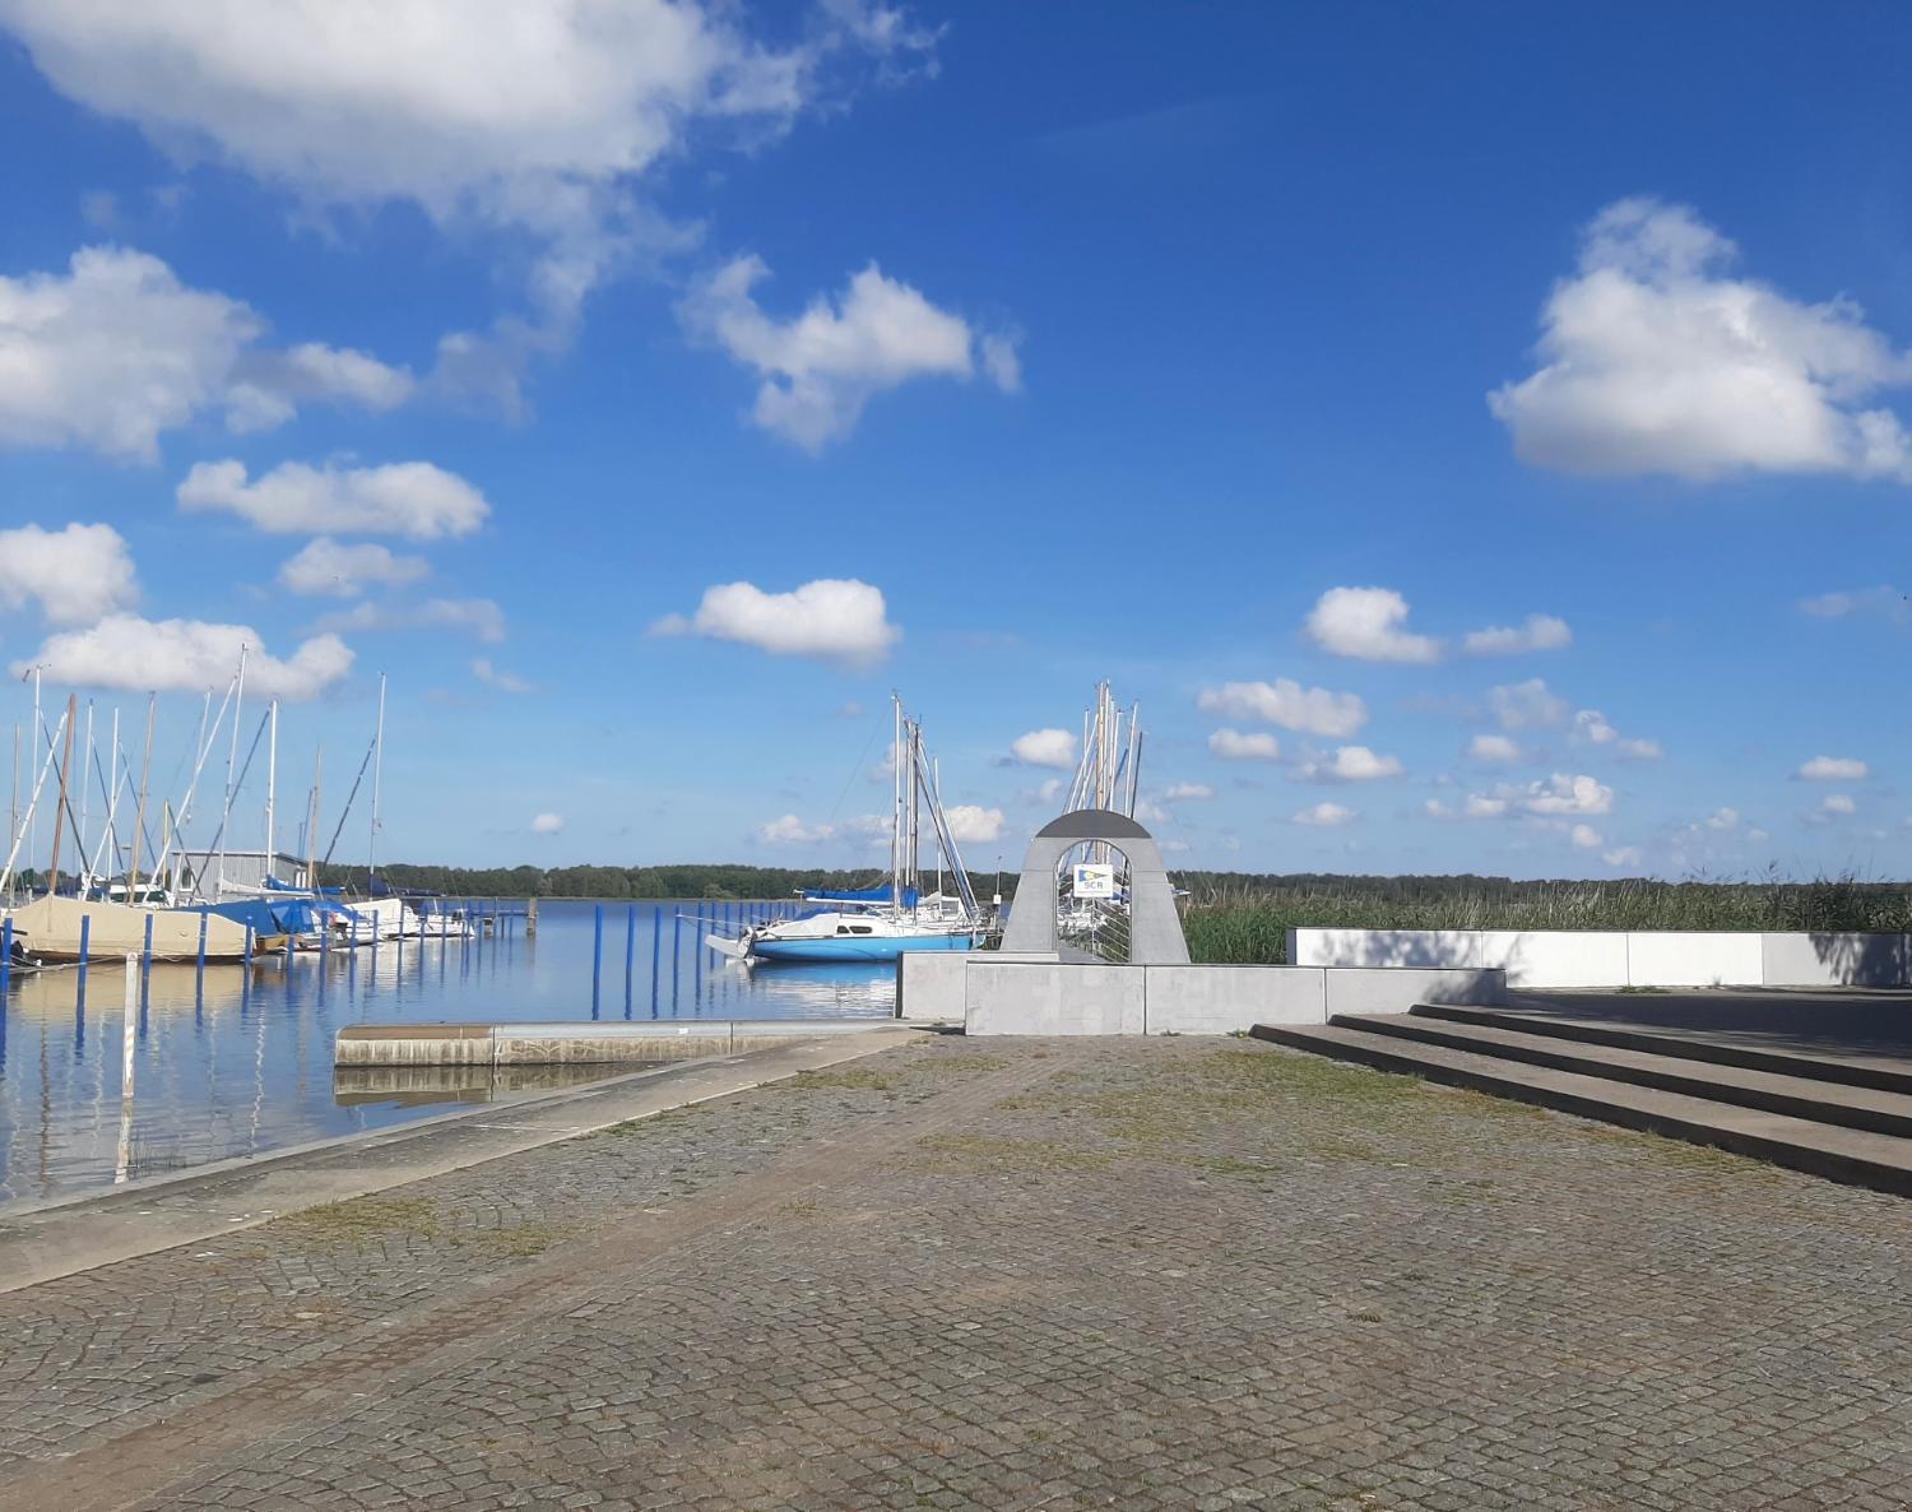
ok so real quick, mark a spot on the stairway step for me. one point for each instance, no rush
(1857, 1157)
(1851, 1071)
(1797, 1096)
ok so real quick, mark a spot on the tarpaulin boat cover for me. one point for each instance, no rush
(50, 929)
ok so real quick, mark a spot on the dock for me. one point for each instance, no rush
(569, 1044)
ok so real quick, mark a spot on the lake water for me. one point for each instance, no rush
(233, 1063)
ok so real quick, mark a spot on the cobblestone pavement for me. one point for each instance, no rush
(1174, 1273)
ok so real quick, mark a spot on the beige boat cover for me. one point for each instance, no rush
(49, 927)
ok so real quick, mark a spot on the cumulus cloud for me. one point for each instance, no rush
(1722, 819)
(1184, 792)
(1838, 804)
(1884, 600)
(1351, 763)
(327, 567)
(1586, 837)
(835, 619)
(1045, 748)
(1369, 624)
(479, 617)
(1529, 705)
(1539, 632)
(1233, 745)
(547, 824)
(1833, 769)
(822, 367)
(1622, 856)
(1564, 794)
(1493, 748)
(415, 499)
(790, 830)
(75, 575)
(116, 350)
(1482, 806)
(1325, 816)
(138, 655)
(971, 824)
(1593, 728)
(1654, 359)
(497, 677)
(1284, 702)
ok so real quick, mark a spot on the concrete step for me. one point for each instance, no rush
(1851, 1071)
(1857, 1157)
(1797, 1096)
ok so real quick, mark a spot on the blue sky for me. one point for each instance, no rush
(1253, 357)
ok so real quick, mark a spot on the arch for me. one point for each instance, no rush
(1155, 929)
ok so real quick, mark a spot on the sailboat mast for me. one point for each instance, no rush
(60, 808)
(378, 764)
(232, 766)
(896, 803)
(272, 777)
(312, 821)
(139, 814)
(86, 791)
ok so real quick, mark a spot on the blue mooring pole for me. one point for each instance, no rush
(657, 949)
(248, 961)
(146, 950)
(86, 935)
(6, 956)
(630, 953)
(597, 954)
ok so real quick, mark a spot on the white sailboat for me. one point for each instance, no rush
(881, 923)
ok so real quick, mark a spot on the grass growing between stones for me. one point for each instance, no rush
(362, 1220)
(985, 1153)
(848, 1078)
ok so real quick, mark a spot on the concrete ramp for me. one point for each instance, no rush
(577, 1043)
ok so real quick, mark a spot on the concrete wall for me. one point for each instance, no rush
(1034, 997)
(1642, 958)
(930, 983)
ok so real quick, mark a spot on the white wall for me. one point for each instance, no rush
(1642, 958)
(1008, 997)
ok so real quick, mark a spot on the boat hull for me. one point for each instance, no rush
(856, 947)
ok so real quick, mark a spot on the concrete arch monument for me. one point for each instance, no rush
(1155, 929)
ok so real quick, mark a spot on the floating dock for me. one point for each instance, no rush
(577, 1043)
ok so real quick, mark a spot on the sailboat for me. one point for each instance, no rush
(881, 923)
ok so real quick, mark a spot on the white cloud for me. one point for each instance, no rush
(1149, 812)
(1722, 819)
(1233, 745)
(1284, 702)
(1593, 727)
(1481, 806)
(821, 368)
(1183, 792)
(1527, 705)
(1369, 624)
(1653, 360)
(478, 617)
(1622, 856)
(325, 566)
(1493, 748)
(1884, 600)
(1435, 809)
(116, 350)
(138, 655)
(76, 574)
(836, 619)
(1563, 794)
(1540, 632)
(971, 824)
(547, 824)
(1045, 748)
(415, 499)
(1350, 763)
(1833, 769)
(1838, 803)
(790, 830)
(497, 677)
(1586, 837)
(1325, 816)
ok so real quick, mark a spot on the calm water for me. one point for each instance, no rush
(234, 1064)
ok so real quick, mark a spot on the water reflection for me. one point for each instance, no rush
(232, 1062)
(423, 1086)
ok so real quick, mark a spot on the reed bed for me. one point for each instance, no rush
(1249, 923)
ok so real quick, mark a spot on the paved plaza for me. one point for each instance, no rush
(1058, 1274)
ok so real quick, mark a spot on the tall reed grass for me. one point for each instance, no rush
(1249, 924)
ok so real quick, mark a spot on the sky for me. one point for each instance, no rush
(1476, 435)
